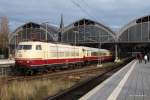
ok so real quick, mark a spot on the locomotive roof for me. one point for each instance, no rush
(95, 49)
(39, 42)
(67, 45)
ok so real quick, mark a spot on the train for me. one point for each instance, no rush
(34, 55)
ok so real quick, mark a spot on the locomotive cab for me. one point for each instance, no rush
(28, 50)
(29, 54)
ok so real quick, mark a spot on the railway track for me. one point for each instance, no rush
(96, 71)
(57, 74)
(53, 75)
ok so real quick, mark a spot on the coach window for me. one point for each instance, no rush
(38, 47)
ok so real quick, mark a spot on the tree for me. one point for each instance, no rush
(4, 32)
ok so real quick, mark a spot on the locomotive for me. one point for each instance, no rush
(36, 55)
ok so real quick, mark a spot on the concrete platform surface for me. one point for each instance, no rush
(132, 82)
(6, 61)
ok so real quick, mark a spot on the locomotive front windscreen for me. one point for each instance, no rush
(24, 47)
(38, 47)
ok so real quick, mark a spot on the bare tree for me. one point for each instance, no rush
(4, 41)
(4, 31)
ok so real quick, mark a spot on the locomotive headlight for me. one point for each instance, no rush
(28, 61)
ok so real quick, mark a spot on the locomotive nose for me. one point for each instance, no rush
(18, 54)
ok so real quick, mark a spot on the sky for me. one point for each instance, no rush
(112, 13)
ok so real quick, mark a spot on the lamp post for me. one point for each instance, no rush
(75, 32)
(116, 51)
(9, 47)
(46, 32)
(46, 36)
(75, 37)
(99, 58)
(16, 41)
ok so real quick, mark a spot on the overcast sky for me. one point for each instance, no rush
(112, 13)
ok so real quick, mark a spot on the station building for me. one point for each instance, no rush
(133, 37)
(83, 32)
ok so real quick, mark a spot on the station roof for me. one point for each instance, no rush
(85, 21)
(133, 23)
(36, 25)
(89, 32)
(50, 28)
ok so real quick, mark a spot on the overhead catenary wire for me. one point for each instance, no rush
(91, 9)
(78, 3)
(83, 9)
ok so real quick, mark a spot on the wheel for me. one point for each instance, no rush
(29, 72)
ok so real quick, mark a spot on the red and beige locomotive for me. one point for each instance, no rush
(34, 55)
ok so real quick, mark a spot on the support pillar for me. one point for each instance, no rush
(116, 54)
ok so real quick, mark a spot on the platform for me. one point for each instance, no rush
(132, 82)
(6, 62)
(6, 67)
